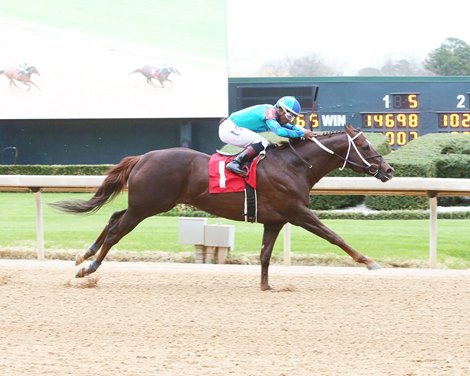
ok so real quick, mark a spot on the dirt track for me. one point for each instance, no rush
(187, 319)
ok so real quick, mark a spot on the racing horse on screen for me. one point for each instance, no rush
(16, 75)
(161, 179)
(161, 74)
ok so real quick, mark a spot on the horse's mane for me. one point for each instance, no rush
(294, 141)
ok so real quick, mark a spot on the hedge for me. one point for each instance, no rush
(433, 155)
(54, 169)
(184, 210)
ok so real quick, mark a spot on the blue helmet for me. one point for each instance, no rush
(289, 104)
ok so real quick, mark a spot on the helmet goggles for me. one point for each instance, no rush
(291, 107)
(289, 115)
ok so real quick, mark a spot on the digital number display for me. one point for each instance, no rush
(399, 127)
(401, 101)
(401, 124)
(390, 120)
(454, 120)
(400, 138)
(400, 120)
(311, 119)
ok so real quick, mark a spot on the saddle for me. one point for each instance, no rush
(19, 73)
(222, 180)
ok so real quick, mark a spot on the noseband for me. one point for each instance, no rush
(372, 169)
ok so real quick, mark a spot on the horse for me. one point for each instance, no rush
(161, 179)
(14, 74)
(161, 74)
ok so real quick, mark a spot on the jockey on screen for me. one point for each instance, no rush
(23, 68)
(242, 129)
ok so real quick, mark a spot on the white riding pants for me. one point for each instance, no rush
(237, 136)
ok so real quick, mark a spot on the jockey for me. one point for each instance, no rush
(23, 68)
(242, 129)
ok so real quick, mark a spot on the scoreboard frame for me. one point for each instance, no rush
(402, 108)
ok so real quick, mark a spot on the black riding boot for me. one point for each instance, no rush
(251, 151)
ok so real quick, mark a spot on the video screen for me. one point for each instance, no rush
(85, 59)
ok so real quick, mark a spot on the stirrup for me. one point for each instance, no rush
(242, 171)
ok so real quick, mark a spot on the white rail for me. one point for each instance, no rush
(430, 187)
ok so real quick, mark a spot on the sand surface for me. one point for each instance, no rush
(136, 318)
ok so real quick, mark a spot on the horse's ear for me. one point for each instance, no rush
(350, 129)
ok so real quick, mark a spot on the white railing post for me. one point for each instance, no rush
(287, 244)
(39, 224)
(432, 229)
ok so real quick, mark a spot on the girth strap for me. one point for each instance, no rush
(250, 213)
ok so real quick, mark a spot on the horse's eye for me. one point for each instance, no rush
(366, 148)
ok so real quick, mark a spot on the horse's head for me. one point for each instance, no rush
(32, 69)
(174, 70)
(362, 157)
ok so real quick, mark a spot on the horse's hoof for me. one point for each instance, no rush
(79, 259)
(374, 266)
(81, 273)
(266, 288)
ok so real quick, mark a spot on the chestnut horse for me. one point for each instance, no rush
(161, 74)
(14, 74)
(160, 179)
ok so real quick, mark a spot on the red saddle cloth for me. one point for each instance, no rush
(222, 180)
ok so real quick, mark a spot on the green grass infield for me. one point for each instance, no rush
(396, 242)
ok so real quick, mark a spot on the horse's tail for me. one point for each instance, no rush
(113, 184)
(2, 71)
(139, 70)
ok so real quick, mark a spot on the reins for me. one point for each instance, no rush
(299, 156)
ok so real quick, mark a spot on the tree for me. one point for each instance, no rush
(452, 58)
(369, 71)
(305, 66)
(401, 67)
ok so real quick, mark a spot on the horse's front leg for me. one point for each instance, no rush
(310, 222)
(270, 234)
(32, 83)
(28, 85)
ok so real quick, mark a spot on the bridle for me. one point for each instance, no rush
(372, 169)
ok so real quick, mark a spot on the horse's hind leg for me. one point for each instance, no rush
(92, 249)
(121, 226)
(150, 81)
(13, 83)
